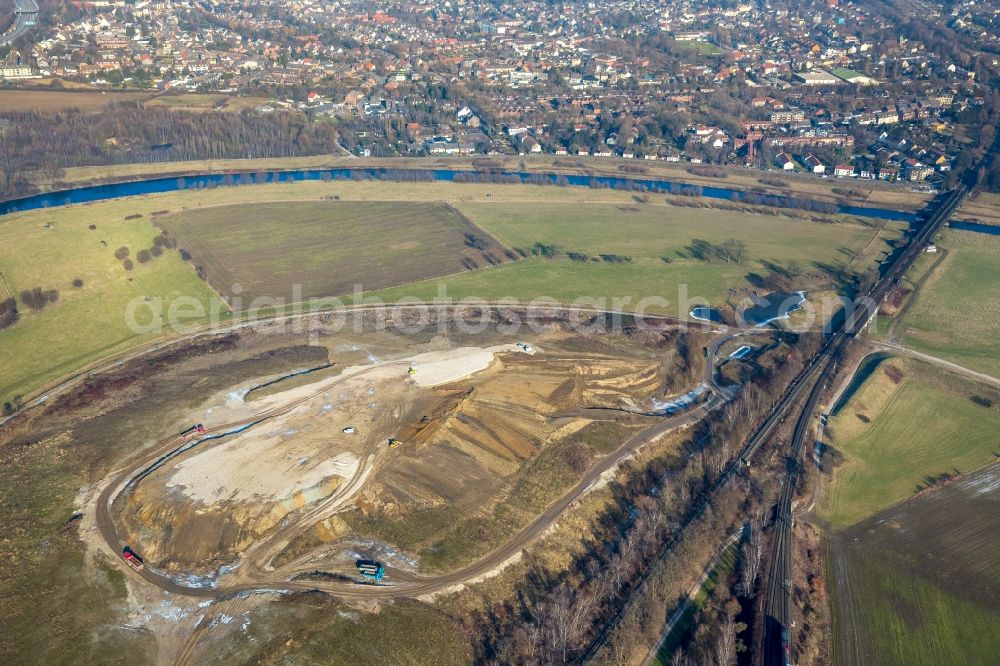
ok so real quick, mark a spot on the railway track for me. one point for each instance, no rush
(856, 318)
(778, 621)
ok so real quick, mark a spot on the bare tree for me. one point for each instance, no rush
(565, 615)
(679, 658)
(753, 553)
(725, 645)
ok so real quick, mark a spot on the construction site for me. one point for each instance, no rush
(379, 464)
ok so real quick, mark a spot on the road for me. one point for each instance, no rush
(900, 350)
(258, 577)
(25, 15)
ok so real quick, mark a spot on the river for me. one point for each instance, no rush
(130, 188)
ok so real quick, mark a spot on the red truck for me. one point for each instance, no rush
(133, 559)
(196, 429)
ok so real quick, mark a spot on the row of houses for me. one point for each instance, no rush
(910, 169)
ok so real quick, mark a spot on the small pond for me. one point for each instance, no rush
(706, 314)
(772, 307)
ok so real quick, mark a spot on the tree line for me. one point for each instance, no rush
(636, 565)
(38, 145)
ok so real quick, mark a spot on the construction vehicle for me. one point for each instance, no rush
(349, 430)
(133, 558)
(411, 371)
(197, 429)
(523, 347)
(393, 442)
(370, 569)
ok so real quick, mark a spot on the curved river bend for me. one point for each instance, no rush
(200, 181)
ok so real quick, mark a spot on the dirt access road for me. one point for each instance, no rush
(400, 583)
(555, 310)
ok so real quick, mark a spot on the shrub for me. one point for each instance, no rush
(128, 264)
(78, 283)
(36, 298)
(894, 374)
(143, 256)
(121, 253)
(707, 171)
(547, 251)
(578, 256)
(156, 250)
(616, 258)
(981, 401)
(91, 226)
(12, 406)
(773, 182)
(8, 313)
(185, 255)
(160, 241)
(475, 242)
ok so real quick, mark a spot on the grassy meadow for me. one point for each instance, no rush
(51, 249)
(328, 247)
(655, 231)
(917, 583)
(956, 314)
(897, 437)
(62, 100)
(660, 241)
(398, 244)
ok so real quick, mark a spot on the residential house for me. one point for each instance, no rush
(784, 160)
(813, 163)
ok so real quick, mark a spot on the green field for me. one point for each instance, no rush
(918, 583)
(704, 48)
(956, 315)
(923, 427)
(329, 247)
(655, 231)
(646, 234)
(244, 234)
(89, 322)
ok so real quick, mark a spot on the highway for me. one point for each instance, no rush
(25, 15)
